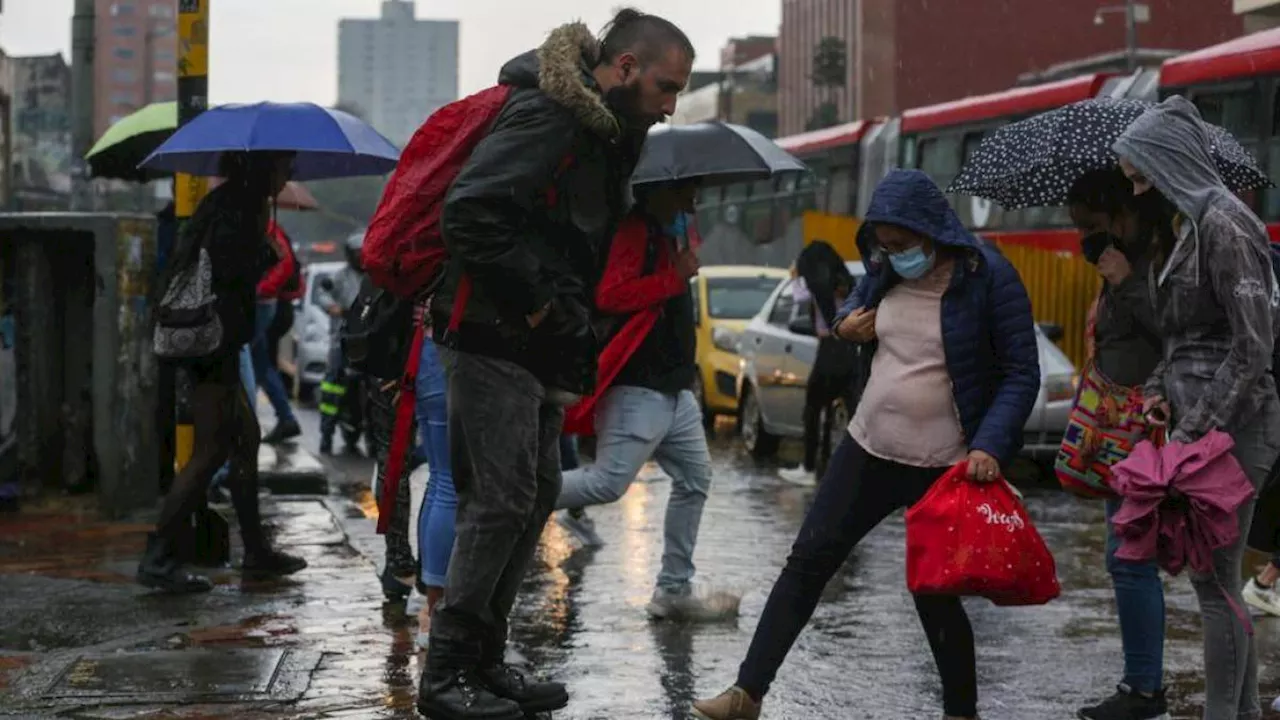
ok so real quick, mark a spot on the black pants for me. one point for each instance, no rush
(829, 379)
(225, 429)
(382, 398)
(504, 441)
(857, 492)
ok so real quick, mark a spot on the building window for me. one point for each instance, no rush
(124, 31)
(121, 9)
(164, 77)
(114, 119)
(123, 98)
(124, 76)
(161, 11)
(123, 53)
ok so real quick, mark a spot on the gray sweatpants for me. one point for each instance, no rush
(505, 443)
(1230, 658)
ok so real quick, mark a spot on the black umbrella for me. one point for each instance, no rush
(1034, 162)
(713, 152)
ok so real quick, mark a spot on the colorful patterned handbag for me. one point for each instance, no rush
(1106, 423)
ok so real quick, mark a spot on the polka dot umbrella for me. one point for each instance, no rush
(1034, 162)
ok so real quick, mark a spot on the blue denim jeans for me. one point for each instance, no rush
(264, 367)
(634, 424)
(250, 389)
(436, 518)
(1140, 606)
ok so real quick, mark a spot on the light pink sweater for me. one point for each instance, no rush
(908, 412)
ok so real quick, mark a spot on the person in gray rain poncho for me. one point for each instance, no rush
(1216, 302)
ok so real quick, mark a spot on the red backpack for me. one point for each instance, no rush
(403, 248)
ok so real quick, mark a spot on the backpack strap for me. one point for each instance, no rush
(402, 431)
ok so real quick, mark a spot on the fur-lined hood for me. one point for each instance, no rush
(561, 68)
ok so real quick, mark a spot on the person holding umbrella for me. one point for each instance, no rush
(1126, 347)
(230, 225)
(643, 406)
(1217, 303)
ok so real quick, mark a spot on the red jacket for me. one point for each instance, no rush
(625, 290)
(272, 284)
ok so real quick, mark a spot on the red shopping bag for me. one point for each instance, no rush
(969, 538)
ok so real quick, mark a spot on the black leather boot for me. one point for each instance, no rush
(461, 695)
(265, 564)
(534, 696)
(161, 570)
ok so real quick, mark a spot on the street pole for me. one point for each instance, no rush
(82, 30)
(188, 191)
(1131, 35)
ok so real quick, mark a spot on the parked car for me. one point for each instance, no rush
(725, 298)
(778, 348)
(311, 328)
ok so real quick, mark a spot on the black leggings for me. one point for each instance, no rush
(857, 492)
(225, 428)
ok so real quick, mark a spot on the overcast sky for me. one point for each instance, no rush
(286, 50)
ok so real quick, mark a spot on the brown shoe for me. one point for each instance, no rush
(732, 704)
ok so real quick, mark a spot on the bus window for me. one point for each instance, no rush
(840, 191)
(758, 212)
(971, 142)
(940, 158)
(1235, 110)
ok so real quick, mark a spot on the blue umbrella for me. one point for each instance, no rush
(329, 143)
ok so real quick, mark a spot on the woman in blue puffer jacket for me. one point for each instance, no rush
(954, 375)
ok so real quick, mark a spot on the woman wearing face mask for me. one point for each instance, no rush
(954, 376)
(1216, 301)
(1125, 350)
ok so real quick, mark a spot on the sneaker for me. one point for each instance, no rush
(1262, 598)
(283, 432)
(798, 476)
(689, 606)
(533, 696)
(577, 524)
(1128, 705)
(393, 588)
(463, 696)
(732, 704)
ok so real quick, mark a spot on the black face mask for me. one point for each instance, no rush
(1094, 244)
(1154, 208)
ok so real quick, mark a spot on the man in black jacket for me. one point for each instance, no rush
(526, 223)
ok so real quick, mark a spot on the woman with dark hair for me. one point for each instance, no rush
(1217, 302)
(1124, 350)
(231, 225)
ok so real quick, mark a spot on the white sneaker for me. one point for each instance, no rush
(798, 476)
(1260, 598)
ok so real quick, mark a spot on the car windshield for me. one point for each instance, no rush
(738, 298)
(316, 281)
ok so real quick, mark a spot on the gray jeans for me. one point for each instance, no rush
(1230, 658)
(634, 424)
(505, 443)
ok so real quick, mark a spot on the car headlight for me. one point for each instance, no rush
(1060, 387)
(726, 340)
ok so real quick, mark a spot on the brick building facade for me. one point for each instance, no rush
(908, 53)
(136, 57)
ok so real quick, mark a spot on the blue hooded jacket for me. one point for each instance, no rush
(988, 333)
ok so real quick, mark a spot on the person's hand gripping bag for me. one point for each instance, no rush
(970, 538)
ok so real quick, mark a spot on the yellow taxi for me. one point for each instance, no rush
(725, 298)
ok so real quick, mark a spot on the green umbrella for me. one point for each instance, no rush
(129, 142)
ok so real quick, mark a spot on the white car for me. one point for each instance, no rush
(777, 351)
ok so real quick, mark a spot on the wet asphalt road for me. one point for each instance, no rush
(581, 618)
(66, 591)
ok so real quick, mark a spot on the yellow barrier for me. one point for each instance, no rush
(839, 231)
(1062, 286)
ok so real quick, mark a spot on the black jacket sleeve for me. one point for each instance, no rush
(486, 218)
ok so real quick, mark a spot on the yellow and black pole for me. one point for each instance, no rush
(188, 190)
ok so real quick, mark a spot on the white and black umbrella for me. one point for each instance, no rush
(1034, 162)
(714, 153)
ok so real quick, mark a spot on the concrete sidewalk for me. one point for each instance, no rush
(80, 640)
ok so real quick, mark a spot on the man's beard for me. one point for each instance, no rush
(624, 101)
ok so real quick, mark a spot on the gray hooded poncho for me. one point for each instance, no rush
(1216, 297)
